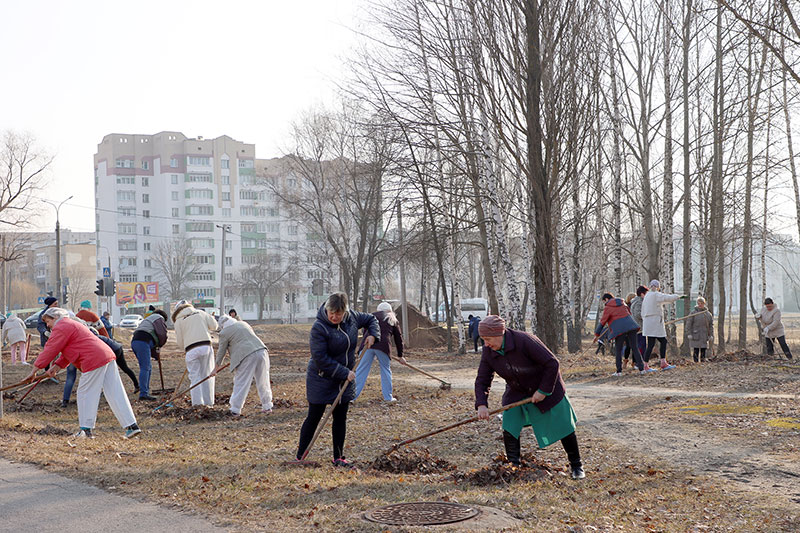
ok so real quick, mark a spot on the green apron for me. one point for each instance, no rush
(548, 427)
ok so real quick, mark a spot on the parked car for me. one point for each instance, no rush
(130, 321)
(33, 320)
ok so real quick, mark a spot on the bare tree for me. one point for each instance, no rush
(176, 265)
(258, 280)
(24, 170)
(80, 286)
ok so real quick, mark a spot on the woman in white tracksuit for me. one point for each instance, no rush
(193, 328)
(653, 323)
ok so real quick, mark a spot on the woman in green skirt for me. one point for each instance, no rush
(531, 371)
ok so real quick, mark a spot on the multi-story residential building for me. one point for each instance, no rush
(152, 189)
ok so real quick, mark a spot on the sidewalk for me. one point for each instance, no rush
(35, 500)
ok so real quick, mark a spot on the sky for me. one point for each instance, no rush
(73, 72)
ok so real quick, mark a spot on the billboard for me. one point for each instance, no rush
(137, 293)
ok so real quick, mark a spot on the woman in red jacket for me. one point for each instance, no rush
(78, 346)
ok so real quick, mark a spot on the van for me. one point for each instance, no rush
(478, 307)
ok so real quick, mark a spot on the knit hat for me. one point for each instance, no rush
(384, 306)
(655, 284)
(225, 321)
(50, 300)
(86, 304)
(491, 326)
(56, 313)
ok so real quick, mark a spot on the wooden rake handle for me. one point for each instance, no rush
(412, 367)
(178, 395)
(24, 382)
(333, 406)
(685, 317)
(457, 424)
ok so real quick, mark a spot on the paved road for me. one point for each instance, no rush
(35, 500)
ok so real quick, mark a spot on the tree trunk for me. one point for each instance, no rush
(667, 247)
(790, 146)
(687, 178)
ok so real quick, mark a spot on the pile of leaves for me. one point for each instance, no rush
(410, 460)
(501, 472)
(52, 430)
(283, 402)
(191, 413)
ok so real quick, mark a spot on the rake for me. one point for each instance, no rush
(444, 386)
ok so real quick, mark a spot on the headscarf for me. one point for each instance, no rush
(655, 284)
(492, 326)
(225, 321)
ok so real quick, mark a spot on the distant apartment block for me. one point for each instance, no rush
(154, 188)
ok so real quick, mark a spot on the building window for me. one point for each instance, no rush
(176, 212)
(205, 194)
(272, 227)
(199, 210)
(245, 163)
(127, 211)
(145, 230)
(127, 261)
(228, 276)
(205, 292)
(124, 163)
(176, 229)
(291, 183)
(126, 246)
(204, 259)
(148, 263)
(174, 179)
(293, 230)
(126, 196)
(228, 261)
(226, 196)
(292, 246)
(202, 243)
(226, 212)
(199, 178)
(175, 196)
(200, 226)
(145, 198)
(225, 163)
(173, 163)
(145, 166)
(248, 195)
(204, 276)
(226, 180)
(128, 278)
(146, 213)
(126, 229)
(200, 161)
(126, 180)
(145, 182)
(146, 247)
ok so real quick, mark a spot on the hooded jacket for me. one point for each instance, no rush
(333, 349)
(192, 326)
(618, 319)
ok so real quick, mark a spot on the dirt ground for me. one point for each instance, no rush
(707, 447)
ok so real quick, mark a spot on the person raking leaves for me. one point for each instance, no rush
(531, 371)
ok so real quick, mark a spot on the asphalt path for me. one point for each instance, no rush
(35, 500)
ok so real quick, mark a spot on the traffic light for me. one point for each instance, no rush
(64, 301)
(101, 291)
(293, 296)
(286, 297)
(111, 287)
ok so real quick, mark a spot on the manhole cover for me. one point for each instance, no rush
(421, 513)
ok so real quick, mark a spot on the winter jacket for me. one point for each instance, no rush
(700, 328)
(77, 345)
(333, 349)
(618, 319)
(241, 340)
(526, 365)
(108, 326)
(653, 313)
(152, 328)
(771, 322)
(387, 332)
(636, 310)
(473, 328)
(91, 319)
(192, 326)
(41, 327)
(14, 330)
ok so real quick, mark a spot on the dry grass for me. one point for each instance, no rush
(233, 471)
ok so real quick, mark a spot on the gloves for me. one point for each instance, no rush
(684, 297)
(765, 331)
(155, 353)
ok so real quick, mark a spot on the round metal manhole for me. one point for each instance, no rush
(421, 513)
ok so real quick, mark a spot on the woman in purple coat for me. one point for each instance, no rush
(530, 371)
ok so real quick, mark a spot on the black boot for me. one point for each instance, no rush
(570, 444)
(513, 447)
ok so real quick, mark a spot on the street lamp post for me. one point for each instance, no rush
(60, 293)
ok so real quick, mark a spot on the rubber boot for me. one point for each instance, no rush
(570, 444)
(513, 447)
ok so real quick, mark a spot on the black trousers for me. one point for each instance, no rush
(699, 354)
(123, 365)
(627, 341)
(782, 341)
(651, 342)
(570, 444)
(338, 428)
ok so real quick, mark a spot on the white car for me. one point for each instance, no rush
(130, 321)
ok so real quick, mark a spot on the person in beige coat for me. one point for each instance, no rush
(249, 361)
(14, 333)
(700, 328)
(770, 317)
(193, 328)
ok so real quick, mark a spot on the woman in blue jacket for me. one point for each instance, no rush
(333, 344)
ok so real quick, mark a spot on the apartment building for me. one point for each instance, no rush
(152, 189)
